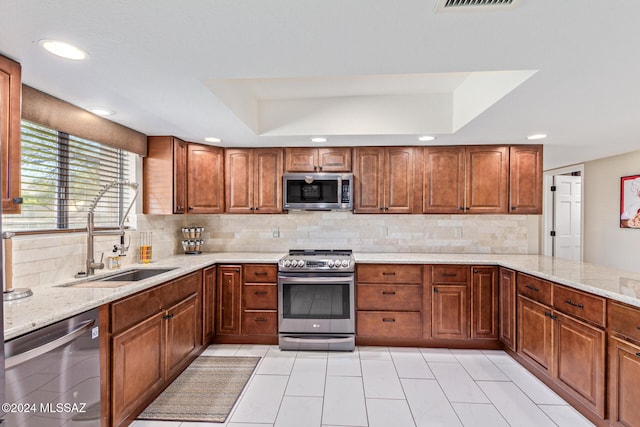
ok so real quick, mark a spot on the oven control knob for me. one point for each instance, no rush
(331, 264)
(345, 263)
(294, 263)
(287, 263)
(298, 263)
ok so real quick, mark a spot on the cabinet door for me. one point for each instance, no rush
(624, 383)
(228, 300)
(487, 170)
(183, 334)
(10, 105)
(267, 188)
(301, 159)
(400, 181)
(208, 304)
(179, 176)
(449, 311)
(335, 159)
(443, 180)
(507, 308)
(580, 360)
(369, 180)
(239, 182)
(205, 179)
(484, 302)
(138, 366)
(525, 179)
(535, 333)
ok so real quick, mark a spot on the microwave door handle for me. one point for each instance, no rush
(28, 355)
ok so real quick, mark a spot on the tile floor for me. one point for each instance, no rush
(389, 387)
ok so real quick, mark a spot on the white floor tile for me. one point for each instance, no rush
(499, 357)
(298, 411)
(344, 364)
(377, 353)
(276, 363)
(429, 404)
(239, 425)
(344, 402)
(221, 350)
(386, 413)
(438, 355)
(456, 383)
(566, 416)
(381, 380)
(479, 366)
(532, 386)
(410, 363)
(514, 405)
(261, 400)
(479, 415)
(252, 350)
(154, 423)
(307, 378)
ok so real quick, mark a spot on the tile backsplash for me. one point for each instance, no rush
(41, 258)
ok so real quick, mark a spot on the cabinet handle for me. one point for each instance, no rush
(259, 292)
(388, 292)
(435, 290)
(392, 273)
(190, 208)
(513, 208)
(550, 316)
(168, 316)
(573, 304)
(260, 273)
(533, 288)
(638, 328)
(475, 271)
(449, 274)
(260, 319)
(638, 354)
(237, 270)
(388, 319)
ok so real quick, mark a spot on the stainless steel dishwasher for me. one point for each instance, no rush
(52, 375)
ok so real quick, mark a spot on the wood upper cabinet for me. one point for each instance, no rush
(525, 179)
(253, 180)
(471, 179)
(507, 307)
(484, 302)
(308, 159)
(10, 114)
(386, 180)
(181, 177)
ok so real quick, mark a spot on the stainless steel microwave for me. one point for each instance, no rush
(318, 191)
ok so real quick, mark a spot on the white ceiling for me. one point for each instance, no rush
(362, 72)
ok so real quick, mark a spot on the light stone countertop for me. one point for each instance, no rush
(52, 302)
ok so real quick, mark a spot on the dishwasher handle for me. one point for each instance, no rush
(28, 355)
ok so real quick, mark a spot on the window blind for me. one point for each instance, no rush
(61, 176)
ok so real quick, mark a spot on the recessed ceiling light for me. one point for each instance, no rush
(425, 138)
(99, 111)
(537, 136)
(213, 139)
(319, 139)
(64, 50)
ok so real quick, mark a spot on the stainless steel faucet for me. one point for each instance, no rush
(91, 232)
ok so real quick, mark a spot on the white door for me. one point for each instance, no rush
(567, 242)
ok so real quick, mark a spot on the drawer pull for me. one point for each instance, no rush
(259, 292)
(260, 273)
(573, 304)
(638, 354)
(388, 292)
(393, 273)
(168, 316)
(449, 274)
(533, 288)
(260, 319)
(550, 316)
(388, 319)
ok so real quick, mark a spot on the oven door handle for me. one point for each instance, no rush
(316, 340)
(346, 279)
(21, 358)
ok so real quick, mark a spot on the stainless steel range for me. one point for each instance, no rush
(316, 307)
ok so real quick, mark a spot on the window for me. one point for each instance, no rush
(61, 177)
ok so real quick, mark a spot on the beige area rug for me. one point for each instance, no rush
(205, 391)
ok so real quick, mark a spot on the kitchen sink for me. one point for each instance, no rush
(133, 275)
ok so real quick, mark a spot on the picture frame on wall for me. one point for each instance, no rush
(630, 201)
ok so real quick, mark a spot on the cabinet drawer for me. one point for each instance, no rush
(260, 322)
(135, 308)
(624, 320)
(389, 297)
(260, 297)
(534, 288)
(260, 273)
(389, 324)
(585, 306)
(389, 273)
(450, 274)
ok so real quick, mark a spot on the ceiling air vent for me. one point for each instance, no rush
(474, 5)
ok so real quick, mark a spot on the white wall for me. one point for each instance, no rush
(605, 243)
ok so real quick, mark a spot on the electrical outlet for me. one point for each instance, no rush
(275, 232)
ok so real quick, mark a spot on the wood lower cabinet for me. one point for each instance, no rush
(449, 311)
(507, 308)
(536, 337)
(307, 159)
(624, 382)
(10, 135)
(154, 335)
(228, 297)
(208, 304)
(253, 179)
(484, 302)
